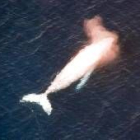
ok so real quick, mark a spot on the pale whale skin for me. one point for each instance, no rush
(102, 49)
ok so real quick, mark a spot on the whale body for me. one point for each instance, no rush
(101, 49)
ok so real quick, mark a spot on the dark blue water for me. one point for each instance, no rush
(37, 38)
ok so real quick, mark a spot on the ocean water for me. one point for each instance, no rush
(37, 39)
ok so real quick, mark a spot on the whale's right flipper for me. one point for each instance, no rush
(40, 99)
(83, 80)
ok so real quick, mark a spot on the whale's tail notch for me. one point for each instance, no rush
(40, 99)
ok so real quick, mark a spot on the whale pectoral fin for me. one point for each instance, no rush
(83, 80)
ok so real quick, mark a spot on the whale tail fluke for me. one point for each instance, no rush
(40, 99)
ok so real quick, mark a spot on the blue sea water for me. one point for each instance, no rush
(37, 38)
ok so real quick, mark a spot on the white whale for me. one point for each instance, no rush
(102, 49)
